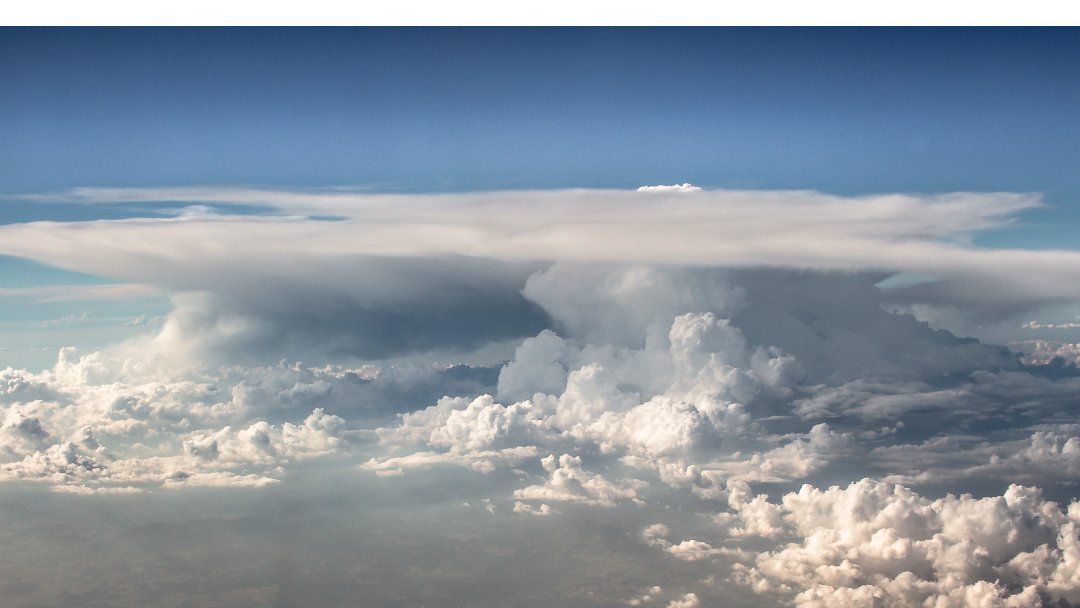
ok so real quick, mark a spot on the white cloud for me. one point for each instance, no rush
(654, 535)
(1042, 352)
(647, 597)
(218, 458)
(219, 479)
(21, 434)
(686, 187)
(693, 550)
(686, 356)
(484, 461)
(877, 542)
(543, 510)
(690, 600)
(786, 229)
(1044, 457)
(568, 482)
(262, 442)
(708, 380)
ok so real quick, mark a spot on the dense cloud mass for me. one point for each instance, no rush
(876, 543)
(386, 257)
(722, 378)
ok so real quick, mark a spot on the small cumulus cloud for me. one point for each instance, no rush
(684, 187)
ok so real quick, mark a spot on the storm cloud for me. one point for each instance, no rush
(722, 386)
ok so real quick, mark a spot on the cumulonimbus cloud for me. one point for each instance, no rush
(927, 234)
(641, 389)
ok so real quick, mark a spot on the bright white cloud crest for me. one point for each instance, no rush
(923, 234)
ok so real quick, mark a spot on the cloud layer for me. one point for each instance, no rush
(922, 234)
(718, 380)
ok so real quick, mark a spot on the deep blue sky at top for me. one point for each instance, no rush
(840, 110)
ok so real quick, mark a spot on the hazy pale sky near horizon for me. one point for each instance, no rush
(540, 316)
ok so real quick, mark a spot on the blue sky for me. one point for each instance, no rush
(839, 110)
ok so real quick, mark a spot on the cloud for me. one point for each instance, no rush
(688, 550)
(66, 293)
(1041, 325)
(1043, 352)
(689, 600)
(598, 405)
(646, 597)
(568, 482)
(81, 463)
(876, 542)
(475, 241)
(378, 308)
(21, 434)
(673, 188)
(543, 510)
(484, 461)
(262, 442)
(104, 421)
(1045, 456)
(642, 357)
(672, 372)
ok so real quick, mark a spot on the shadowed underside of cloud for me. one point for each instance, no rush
(367, 308)
(718, 369)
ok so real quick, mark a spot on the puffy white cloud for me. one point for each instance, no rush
(885, 544)
(646, 597)
(20, 434)
(61, 463)
(797, 456)
(568, 482)
(108, 422)
(684, 187)
(693, 550)
(752, 515)
(702, 364)
(655, 534)
(627, 305)
(543, 510)
(1043, 352)
(482, 424)
(220, 458)
(539, 366)
(690, 600)
(262, 442)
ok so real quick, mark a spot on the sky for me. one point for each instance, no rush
(672, 317)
